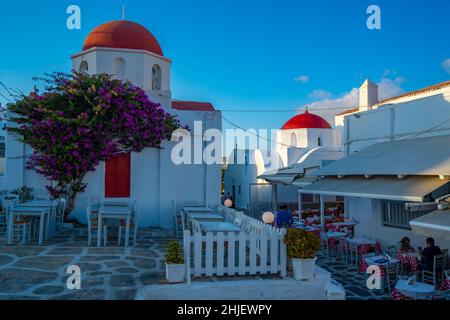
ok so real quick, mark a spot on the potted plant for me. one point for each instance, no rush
(174, 263)
(301, 248)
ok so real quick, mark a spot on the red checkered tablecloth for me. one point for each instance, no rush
(397, 295)
(409, 261)
(365, 249)
(445, 285)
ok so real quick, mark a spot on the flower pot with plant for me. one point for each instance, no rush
(174, 263)
(301, 248)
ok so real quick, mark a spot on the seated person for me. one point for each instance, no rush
(404, 246)
(428, 254)
(284, 217)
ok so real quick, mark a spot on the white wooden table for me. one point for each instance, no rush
(197, 209)
(50, 204)
(204, 217)
(114, 212)
(38, 203)
(416, 290)
(215, 227)
(42, 213)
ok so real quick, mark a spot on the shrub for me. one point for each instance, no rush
(301, 244)
(174, 254)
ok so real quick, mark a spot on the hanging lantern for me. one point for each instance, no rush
(228, 203)
(268, 217)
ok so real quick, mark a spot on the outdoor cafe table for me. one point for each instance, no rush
(215, 227)
(364, 246)
(206, 217)
(42, 213)
(380, 261)
(197, 209)
(405, 291)
(50, 204)
(411, 260)
(114, 212)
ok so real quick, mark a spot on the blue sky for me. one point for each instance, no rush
(246, 54)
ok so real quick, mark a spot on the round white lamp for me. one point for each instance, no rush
(228, 203)
(268, 217)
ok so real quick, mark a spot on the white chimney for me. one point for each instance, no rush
(368, 95)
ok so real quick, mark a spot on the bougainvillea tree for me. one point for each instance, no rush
(80, 120)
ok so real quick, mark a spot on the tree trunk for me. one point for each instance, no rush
(72, 192)
(70, 205)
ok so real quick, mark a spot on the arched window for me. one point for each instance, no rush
(156, 77)
(119, 69)
(293, 139)
(319, 141)
(84, 67)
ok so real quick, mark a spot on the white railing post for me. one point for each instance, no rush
(187, 255)
(283, 254)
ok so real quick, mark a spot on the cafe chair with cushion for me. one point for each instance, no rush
(92, 219)
(435, 277)
(134, 225)
(21, 227)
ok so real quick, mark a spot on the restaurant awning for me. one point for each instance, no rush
(283, 175)
(435, 224)
(411, 188)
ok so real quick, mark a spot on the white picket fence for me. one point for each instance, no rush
(258, 249)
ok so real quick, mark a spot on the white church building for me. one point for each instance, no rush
(300, 147)
(129, 51)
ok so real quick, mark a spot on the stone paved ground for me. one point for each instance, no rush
(39, 272)
(348, 276)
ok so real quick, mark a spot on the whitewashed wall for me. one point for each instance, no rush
(402, 120)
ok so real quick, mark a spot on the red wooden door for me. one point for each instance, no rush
(117, 176)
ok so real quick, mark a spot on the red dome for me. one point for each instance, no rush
(122, 34)
(306, 120)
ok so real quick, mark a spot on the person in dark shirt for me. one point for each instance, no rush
(284, 217)
(428, 254)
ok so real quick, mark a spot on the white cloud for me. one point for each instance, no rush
(302, 78)
(328, 107)
(446, 65)
(388, 88)
(320, 94)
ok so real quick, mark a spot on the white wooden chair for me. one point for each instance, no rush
(61, 208)
(354, 257)
(391, 276)
(134, 225)
(92, 219)
(21, 227)
(435, 277)
(196, 227)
